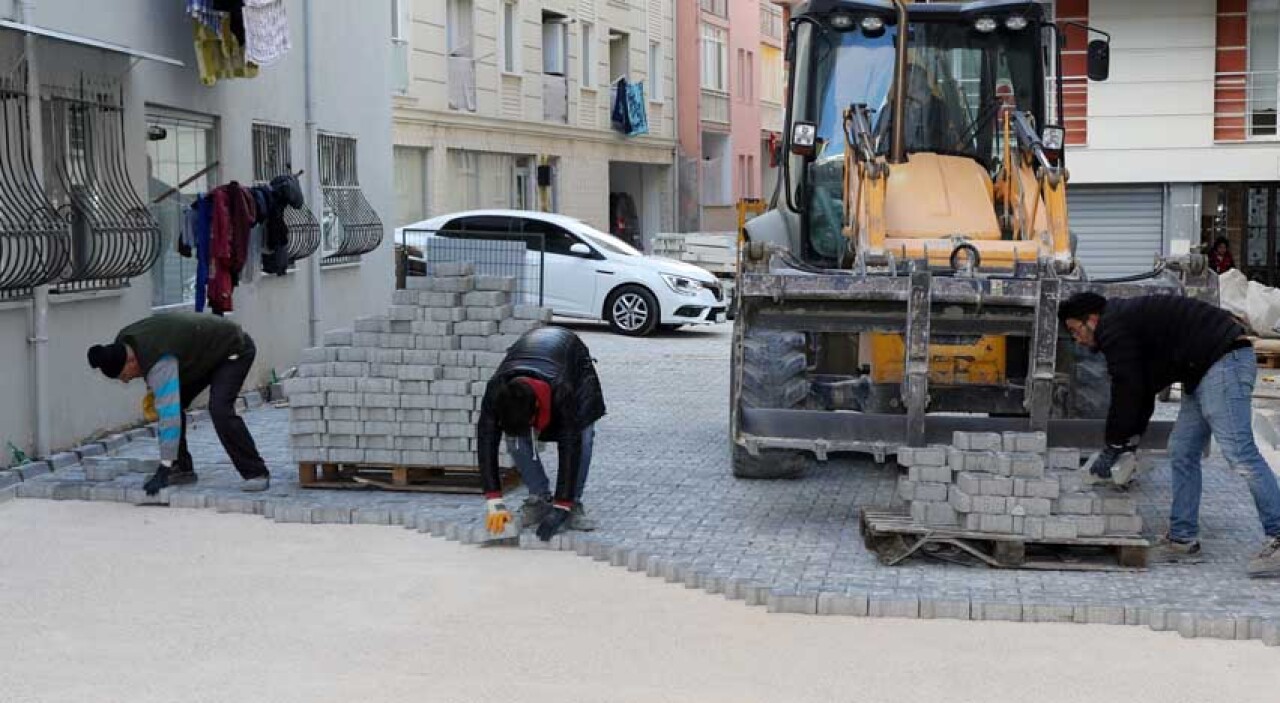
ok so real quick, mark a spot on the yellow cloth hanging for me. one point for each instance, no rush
(219, 55)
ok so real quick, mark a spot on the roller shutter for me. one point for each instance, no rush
(1120, 229)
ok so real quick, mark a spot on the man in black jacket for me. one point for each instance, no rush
(1151, 343)
(545, 390)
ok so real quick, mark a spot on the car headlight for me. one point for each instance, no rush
(682, 284)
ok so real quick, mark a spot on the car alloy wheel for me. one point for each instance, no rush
(630, 312)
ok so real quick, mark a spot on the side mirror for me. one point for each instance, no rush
(1099, 66)
(580, 249)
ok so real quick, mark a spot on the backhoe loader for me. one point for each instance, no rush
(905, 282)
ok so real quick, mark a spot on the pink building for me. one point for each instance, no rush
(730, 82)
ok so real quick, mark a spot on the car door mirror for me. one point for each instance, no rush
(580, 249)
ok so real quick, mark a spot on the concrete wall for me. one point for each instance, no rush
(744, 100)
(1153, 120)
(353, 100)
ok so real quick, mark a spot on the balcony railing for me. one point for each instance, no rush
(399, 66)
(770, 116)
(715, 106)
(1245, 106)
(462, 83)
(555, 99)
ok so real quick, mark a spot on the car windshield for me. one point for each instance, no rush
(608, 242)
(957, 82)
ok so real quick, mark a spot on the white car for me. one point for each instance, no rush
(584, 273)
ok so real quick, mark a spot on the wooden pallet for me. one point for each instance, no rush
(895, 537)
(422, 479)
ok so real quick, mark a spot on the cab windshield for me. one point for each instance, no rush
(958, 80)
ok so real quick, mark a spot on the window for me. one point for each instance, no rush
(555, 44)
(460, 43)
(657, 77)
(557, 240)
(178, 148)
(400, 24)
(510, 37)
(719, 8)
(619, 55)
(271, 155)
(715, 57)
(772, 79)
(411, 185)
(1264, 67)
(771, 21)
(350, 226)
(588, 55)
(460, 20)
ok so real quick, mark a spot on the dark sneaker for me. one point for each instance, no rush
(534, 509)
(1170, 551)
(579, 519)
(182, 478)
(1267, 563)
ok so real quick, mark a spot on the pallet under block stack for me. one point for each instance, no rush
(394, 401)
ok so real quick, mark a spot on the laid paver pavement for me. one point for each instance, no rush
(667, 505)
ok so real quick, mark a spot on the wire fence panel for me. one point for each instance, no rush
(509, 255)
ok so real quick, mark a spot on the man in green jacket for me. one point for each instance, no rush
(180, 354)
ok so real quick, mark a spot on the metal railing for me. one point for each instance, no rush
(1245, 105)
(520, 256)
(114, 236)
(34, 240)
(715, 106)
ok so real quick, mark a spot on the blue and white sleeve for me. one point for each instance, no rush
(164, 385)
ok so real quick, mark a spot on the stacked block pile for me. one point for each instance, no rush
(1011, 484)
(404, 388)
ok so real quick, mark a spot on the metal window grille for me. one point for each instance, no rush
(507, 254)
(34, 240)
(114, 237)
(351, 227)
(272, 156)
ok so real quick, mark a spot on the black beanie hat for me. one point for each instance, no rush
(108, 358)
(1082, 305)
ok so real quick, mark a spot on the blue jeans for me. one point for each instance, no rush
(535, 476)
(1221, 407)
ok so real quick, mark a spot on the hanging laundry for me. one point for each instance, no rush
(203, 209)
(639, 121)
(219, 55)
(618, 115)
(233, 215)
(266, 31)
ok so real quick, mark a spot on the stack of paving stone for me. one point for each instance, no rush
(404, 389)
(1011, 484)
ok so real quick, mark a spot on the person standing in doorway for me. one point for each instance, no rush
(179, 355)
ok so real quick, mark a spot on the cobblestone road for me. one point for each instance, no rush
(667, 505)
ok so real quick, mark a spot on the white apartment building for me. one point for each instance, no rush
(507, 104)
(1181, 144)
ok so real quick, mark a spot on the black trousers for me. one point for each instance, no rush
(224, 386)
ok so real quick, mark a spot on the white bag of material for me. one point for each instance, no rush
(1259, 305)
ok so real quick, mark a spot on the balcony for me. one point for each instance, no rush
(715, 106)
(770, 117)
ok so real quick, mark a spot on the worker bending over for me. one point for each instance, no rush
(180, 354)
(545, 390)
(1150, 343)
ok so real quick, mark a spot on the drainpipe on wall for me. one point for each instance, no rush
(39, 339)
(313, 175)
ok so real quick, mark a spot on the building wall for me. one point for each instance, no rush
(507, 122)
(1153, 121)
(744, 106)
(352, 99)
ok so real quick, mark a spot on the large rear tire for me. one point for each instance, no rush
(773, 376)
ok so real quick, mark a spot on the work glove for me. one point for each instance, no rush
(1102, 463)
(159, 479)
(149, 407)
(553, 523)
(496, 516)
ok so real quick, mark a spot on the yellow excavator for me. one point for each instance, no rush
(905, 282)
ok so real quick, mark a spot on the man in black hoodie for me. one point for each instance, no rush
(1152, 342)
(546, 389)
